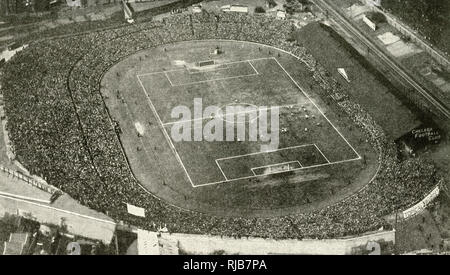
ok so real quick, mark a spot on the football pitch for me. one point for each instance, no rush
(307, 138)
(310, 156)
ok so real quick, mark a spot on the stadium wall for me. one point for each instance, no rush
(203, 245)
(416, 208)
(177, 4)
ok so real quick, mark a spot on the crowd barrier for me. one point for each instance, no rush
(40, 185)
(420, 206)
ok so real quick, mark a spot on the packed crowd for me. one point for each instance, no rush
(62, 131)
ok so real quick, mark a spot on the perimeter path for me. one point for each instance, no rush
(79, 219)
(333, 11)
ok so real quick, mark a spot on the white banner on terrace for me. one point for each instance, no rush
(410, 212)
(134, 210)
(343, 73)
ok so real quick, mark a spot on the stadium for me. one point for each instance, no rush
(96, 125)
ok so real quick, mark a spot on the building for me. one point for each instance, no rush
(419, 138)
(239, 8)
(196, 9)
(281, 15)
(235, 8)
(73, 3)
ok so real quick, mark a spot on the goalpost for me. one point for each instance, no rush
(205, 63)
(277, 168)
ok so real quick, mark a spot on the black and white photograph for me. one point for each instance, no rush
(231, 130)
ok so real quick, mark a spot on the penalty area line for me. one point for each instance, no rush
(220, 168)
(166, 135)
(259, 176)
(317, 107)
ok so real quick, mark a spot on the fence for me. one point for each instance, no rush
(418, 207)
(40, 185)
(206, 244)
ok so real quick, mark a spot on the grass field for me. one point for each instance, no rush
(319, 159)
(258, 82)
(365, 87)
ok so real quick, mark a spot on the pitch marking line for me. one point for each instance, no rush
(132, 120)
(168, 78)
(276, 164)
(227, 63)
(168, 139)
(166, 135)
(310, 99)
(220, 168)
(250, 62)
(270, 151)
(210, 80)
(320, 151)
(263, 108)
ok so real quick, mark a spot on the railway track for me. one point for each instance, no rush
(392, 64)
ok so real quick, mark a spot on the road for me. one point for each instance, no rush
(79, 219)
(384, 58)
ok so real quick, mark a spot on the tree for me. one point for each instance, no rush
(259, 9)
(377, 17)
